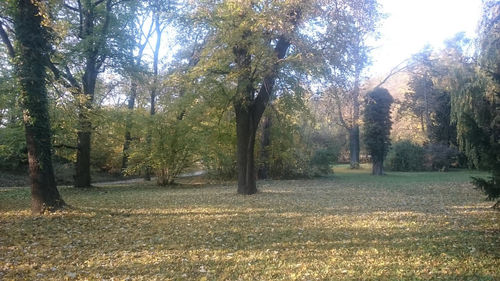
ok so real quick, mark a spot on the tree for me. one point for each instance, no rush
(478, 120)
(377, 127)
(255, 42)
(348, 90)
(30, 58)
(140, 38)
(429, 98)
(94, 38)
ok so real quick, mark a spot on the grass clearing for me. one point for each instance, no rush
(352, 226)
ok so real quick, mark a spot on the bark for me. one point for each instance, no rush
(265, 144)
(30, 70)
(245, 134)
(378, 168)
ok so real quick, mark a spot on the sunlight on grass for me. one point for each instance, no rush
(346, 227)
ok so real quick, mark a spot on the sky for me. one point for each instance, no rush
(412, 24)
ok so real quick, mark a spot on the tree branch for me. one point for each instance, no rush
(395, 70)
(98, 2)
(64, 146)
(71, 7)
(6, 41)
(102, 37)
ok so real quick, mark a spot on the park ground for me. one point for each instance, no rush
(350, 226)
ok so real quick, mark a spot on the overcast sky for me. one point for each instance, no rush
(411, 24)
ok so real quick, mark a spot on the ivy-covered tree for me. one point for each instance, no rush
(30, 53)
(377, 127)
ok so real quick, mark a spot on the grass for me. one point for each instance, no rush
(352, 226)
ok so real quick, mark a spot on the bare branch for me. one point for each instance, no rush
(395, 70)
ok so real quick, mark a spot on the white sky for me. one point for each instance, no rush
(411, 24)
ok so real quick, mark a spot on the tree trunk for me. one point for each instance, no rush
(128, 124)
(93, 62)
(354, 147)
(30, 70)
(378, 168)
(154, 89)
(84, 133)
(249, 111)
(265, 144)
(354, 129)
(245, 134)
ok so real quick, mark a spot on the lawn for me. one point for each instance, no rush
(351, 226)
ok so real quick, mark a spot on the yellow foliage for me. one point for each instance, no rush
(403, 226)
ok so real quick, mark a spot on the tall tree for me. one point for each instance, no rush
(377, 127)
(94, 38)
(30, 55)
(476, 104)
(346, 76)
(140, 37)
(256, 41)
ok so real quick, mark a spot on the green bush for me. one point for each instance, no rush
(439, 157)
(323, 159)
(13, 153)
(406, 156)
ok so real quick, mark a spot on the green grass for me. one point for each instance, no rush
(351, 226)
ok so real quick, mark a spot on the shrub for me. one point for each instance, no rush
(323, 159)
(406, 156)
(13, 153)
(439, 157)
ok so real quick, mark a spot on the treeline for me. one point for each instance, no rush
(242, 89)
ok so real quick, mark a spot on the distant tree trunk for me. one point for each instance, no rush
(154, 89)
(265, 144)
(354, 147)
(30, 69)
(128, 124)
(249, 111)
(378, 168)
(354, 129)
(93, 62)
(84, 133)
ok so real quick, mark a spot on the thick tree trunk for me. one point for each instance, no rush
(249, 111)
(265, 144)
(245, 134)
(354, 147)
(378, 168)
(82, 176)
(30, 70)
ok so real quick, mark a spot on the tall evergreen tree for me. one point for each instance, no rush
(377, 127)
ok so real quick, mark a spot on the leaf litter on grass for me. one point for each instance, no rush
(340, 228)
